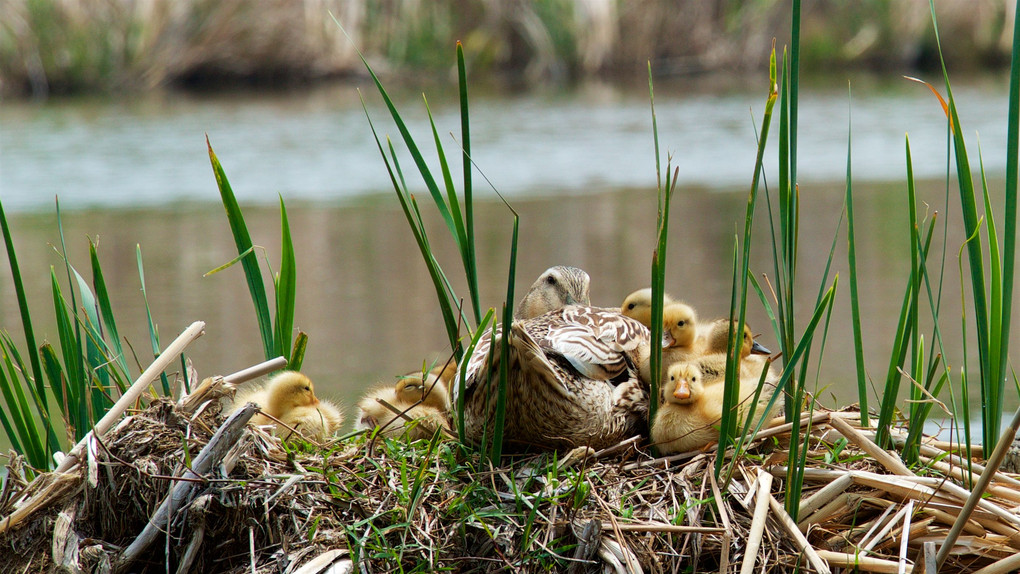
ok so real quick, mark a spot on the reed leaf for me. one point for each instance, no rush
(297, 354)
(469, 219)
(504, 352)
(286, 289)
(252, 272)
(992, 376)
(483, 330)
(21, 429)
(665, 195)
(106, 308)
(855, 305)
(153, 329)
(26, 316)
(407, 204)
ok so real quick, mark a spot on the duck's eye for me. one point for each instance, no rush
(550, 280)
(631, 306)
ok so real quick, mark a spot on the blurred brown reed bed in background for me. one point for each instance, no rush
(68, 46)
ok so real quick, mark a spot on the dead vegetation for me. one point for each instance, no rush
(374, 505)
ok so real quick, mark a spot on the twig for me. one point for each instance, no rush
(994, 461)
(724, 516)
(757, 523)
(670, 528)
(210, 455)
(129, 397)
(791, 528)
(825, 495)
(905, 537)
(864, 563)
(892, 463)
(1011, 564)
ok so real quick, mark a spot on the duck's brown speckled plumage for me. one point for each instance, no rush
(574, 380)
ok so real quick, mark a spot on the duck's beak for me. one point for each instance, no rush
(759, 349)
(683, 389)
(667, 339)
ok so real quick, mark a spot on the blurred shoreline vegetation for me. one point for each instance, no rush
(56, 47)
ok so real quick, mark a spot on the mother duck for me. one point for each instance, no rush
(575, 371)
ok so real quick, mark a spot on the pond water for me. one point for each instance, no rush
(577, 165)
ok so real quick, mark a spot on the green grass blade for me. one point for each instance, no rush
(504, 351)
(252, 273)
(95, 361)
(153, 329)
(483, 326)
(409, 208)
(469, 220)
(665, 196)
(286, 288)
(1010, 207)
(21, 429)
(297, 354)
(855, 305)
(106, 308)
(19, 290)
(62, 392)
(991, 382)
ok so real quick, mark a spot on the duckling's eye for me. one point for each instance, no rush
(680, 323)
(631, 306)
(307, 388)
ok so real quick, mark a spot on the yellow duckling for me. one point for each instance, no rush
(686, 415)
(290, 397)
(679, 334)
(638, 305)
(426, 401)
(691, 408)
(713, 341)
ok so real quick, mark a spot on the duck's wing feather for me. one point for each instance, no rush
(596, 342)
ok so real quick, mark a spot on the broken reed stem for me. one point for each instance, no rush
(889, 461)
(862, 563)
(801, 542)
(994, 461)
(825, 495)
(658, 527)
(761, 509)
(170, 354)
(256, 371)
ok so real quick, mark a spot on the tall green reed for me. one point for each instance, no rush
(275, 330)
(81, 375)
(665, 196)
(991, 293)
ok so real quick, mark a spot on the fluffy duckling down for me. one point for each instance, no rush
(638, 305)
(679, 334)
(691, 408)
(713, 340)
(290, 398)
(426, 402)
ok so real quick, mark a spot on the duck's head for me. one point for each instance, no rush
(558, 287)
(683, 384)
(410, 389)
(718, 339)
(679, 325)
(638, 305)
(289, 390)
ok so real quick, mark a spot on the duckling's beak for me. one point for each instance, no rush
(759, 349)
(683, 389)
(667, 339)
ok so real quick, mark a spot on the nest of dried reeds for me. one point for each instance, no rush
(383, 506)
